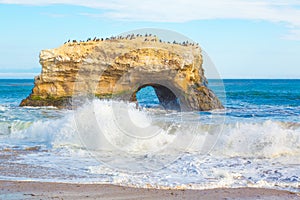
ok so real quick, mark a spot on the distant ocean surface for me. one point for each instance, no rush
(253, 142)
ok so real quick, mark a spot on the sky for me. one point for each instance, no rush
(243, 38)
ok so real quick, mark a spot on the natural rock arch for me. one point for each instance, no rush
(118, 68)
(166, 97)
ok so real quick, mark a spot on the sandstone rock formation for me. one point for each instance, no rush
(118, 68)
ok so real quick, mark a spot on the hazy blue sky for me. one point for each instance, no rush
(245, 39)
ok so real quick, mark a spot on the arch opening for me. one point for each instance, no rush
(155, 95)
(146, 97)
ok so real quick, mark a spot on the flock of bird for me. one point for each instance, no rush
(148, 37)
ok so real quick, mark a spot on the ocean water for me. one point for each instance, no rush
(253, 142)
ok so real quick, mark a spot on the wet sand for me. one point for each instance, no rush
(42, 190)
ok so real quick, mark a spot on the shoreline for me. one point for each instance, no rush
(47, 190)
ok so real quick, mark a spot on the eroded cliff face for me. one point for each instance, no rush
(118, 68)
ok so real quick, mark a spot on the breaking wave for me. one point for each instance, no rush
(108, 125)
(113, 142)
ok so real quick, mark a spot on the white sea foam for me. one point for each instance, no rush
(132, 130)
(267, 139)
(126, 140)
(6, 128)
(2, 108)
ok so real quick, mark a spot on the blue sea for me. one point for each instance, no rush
(253, 142)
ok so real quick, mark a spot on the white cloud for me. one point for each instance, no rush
(278, 11)
(293, 34)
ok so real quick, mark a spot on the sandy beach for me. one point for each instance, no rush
(42, 190)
